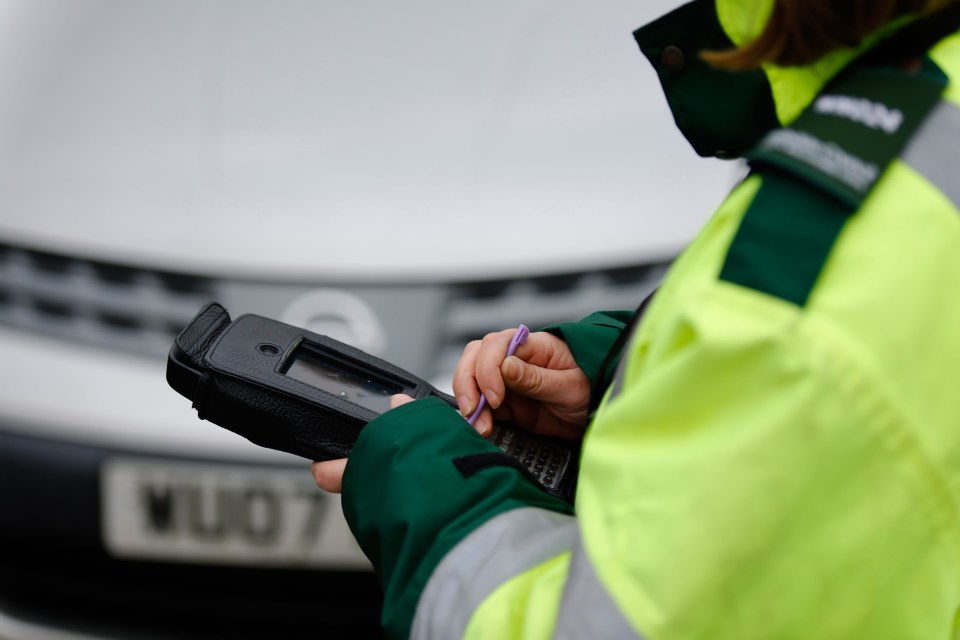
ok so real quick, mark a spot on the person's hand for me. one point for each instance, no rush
(540, 388)
(329, 473)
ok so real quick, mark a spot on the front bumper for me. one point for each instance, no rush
(55, 573)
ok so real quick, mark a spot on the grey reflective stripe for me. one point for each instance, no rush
(505, 546)
(616, 386)
(587, 610)
(934, 150)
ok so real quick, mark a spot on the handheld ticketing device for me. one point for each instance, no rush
(293, 390)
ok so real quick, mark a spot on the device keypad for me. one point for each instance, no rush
(544, 461)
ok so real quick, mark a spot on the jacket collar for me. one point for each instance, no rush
(723, 113)
(792, 88)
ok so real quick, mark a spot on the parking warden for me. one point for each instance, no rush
(773, 450)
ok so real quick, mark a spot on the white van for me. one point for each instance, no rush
(404, 177)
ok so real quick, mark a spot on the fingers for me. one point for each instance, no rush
(478, 371)
(329, 474)
(489, 379)
(485, 358)
(464, 381)
(547, 389)
(484, 423)
(542, 368)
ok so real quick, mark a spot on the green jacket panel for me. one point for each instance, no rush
(408, 504)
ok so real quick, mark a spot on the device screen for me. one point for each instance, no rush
(342, 379)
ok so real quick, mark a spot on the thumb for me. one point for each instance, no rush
(542, 384)
(399, 399)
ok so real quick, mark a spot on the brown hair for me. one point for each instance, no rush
(802, 31)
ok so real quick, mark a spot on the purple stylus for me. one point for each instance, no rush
(518, 339)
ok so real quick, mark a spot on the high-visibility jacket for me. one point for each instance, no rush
(777, 453)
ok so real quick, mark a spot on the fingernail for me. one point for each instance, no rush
(492, 399)
(511, 368)
(465, 407)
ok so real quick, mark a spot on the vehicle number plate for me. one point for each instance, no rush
(218, 513)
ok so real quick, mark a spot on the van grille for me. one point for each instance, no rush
(477, 308)
(140, 310)
(95, 302)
